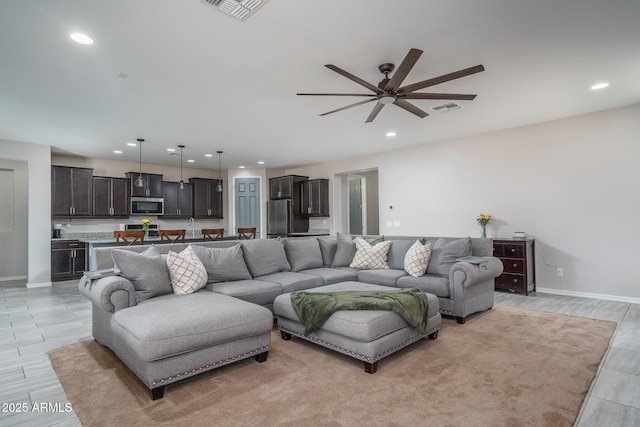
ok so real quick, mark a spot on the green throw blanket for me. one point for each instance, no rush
(314, 308)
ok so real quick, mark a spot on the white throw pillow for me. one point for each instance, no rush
(417, 259)
(186, 271)
(370, 257)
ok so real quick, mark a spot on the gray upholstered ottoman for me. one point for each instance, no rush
(367, 335)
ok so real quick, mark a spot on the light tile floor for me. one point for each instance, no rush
(32, 321)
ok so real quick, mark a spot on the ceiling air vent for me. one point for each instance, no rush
(445, 108)
(240, 10)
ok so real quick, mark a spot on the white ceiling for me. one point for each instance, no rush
(201, 78)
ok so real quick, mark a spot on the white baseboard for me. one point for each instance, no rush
(39, 285)
(588, 295)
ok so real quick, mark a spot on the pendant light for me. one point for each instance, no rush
(219, 186)
(140, 181)
(181, 181)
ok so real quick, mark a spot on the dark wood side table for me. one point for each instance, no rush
(518, 259)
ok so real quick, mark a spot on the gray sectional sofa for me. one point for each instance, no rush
(163, 337)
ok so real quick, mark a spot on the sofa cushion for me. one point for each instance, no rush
(290, 281)
(223, 264)
(303, 254)
(417, 258)
(397, 252)
(333, 275)
(200, 320)
(147, 271)
(384, 277)
(444, 254)
(370, 256)
(265, 256)
(186, 272)
(345, 250)
(252, 290)
(328, 247)
(436, 285)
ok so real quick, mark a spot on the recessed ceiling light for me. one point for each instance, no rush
(171, 150)
(599, 86)
(191, 161)
(261, 163)
(390, 134)
(241, 167)
(132, 144)
(208, 155)
(81, 38)
(117, 151)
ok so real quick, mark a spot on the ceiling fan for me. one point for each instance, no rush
(389, 90)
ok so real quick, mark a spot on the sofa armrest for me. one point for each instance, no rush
(111, 293)
(475, 273)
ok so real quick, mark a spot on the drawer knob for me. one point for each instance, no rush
(515, 280)
(515, 265)
(513, 250)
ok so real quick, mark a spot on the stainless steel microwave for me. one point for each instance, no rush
(147, 206)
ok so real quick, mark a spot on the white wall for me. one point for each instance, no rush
(38, 160)
(573, 184)
(14, 239)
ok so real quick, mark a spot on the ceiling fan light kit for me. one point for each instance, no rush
(389, 90)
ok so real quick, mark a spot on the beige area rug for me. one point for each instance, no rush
(506, 367)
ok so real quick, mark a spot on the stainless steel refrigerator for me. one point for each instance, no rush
(279, 218)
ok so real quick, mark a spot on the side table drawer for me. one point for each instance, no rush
(515, 250)
(512, 282)
(513, 265)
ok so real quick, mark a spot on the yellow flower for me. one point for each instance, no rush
(146, 221)
(483, 219)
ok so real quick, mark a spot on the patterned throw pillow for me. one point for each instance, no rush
(186, 271)
(370, 257)
(417, 259)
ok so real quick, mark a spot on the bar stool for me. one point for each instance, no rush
(212, 234)
(171, 235)
(246, 233)
(131, 237)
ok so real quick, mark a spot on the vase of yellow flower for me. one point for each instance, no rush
(145, 226)
(483, 220)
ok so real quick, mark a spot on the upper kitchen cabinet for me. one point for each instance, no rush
(178, 202)
(152, 185)
(110, 196)
(207, 202)
(285, 187)
(71, 191)
(315, 197)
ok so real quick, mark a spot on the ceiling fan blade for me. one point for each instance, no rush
(349, 106)
(401, 73)
(410, 108)
(452, 96)
(337, 94)
(374, 112)
(350, 76)
(441, 79)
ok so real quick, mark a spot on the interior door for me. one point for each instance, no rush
(355, 206)
(247, 201)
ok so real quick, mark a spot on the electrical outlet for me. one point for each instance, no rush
(559, 271)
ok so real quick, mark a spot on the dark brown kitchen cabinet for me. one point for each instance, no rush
(286, 187)
(517, 256)
(315, 197)
(69, 259)
(152, 185)
(207, 202)
(71, 191)
(178, 202)
(110, 196)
